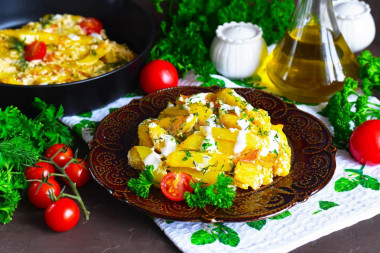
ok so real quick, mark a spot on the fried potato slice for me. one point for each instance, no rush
(178, 125)
(193, 142)
(137, 155)
(200, 160)
(208, 177)
(253, 174)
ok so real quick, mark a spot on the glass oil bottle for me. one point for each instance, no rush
(312, 60)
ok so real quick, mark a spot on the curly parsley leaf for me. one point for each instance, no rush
(345, 115)
(52, 130)
(369, 72)
(220, 194)
(142, 184)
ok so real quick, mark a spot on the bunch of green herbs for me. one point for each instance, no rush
(369, 72)
(22, 141)
(345, 114)
(190, 26)
(220, 194)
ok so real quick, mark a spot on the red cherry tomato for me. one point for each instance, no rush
(365, 142)
(35, 51)
(91, 25)
(36, 172)
(63, 157)
(78, 172)
(62, 215)
(39, 197)
(157, 75)
(174, 185)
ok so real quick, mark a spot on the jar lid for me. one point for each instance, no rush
(351, 9)
(241, 32)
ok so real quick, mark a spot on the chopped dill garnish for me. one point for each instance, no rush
(19, 47)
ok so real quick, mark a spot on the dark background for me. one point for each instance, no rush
(115, 227)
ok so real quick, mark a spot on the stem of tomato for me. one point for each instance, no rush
(73, 187)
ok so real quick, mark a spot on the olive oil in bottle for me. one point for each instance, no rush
(311, 61)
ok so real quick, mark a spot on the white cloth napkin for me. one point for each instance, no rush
(336, 206)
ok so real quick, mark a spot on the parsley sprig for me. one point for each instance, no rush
(142, 184)
(345, 116)
(220, 194)
(369, 72)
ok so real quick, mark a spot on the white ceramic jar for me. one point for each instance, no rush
(238, 49)
(356, 23)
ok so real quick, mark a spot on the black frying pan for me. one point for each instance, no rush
(124, 22)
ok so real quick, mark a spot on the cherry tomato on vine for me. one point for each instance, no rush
(35, 51)
(174, 185)
(365, 142)
(62, 215)
(91, 25)
(157, 75)
(63, 157)
(39, 197)
(78, 172)
(36, 172)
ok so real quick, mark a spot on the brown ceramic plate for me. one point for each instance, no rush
(313, 159)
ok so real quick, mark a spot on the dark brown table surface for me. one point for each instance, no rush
(115, 227)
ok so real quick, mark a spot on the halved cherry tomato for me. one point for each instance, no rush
(174, 185)
(62, 215)
(35, 51)
(63, 157)
(91, 25)
(40, 197)
(36, 172)
(78, 172)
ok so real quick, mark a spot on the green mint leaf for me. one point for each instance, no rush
(344, 184)
(281, 215)
(85, 115)
(202, 237)
(258, 225)
(355, 171)
(325, 205)
(85, 124)
(113, 109)
(227, 235)
(317, 211)
(370, 182)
